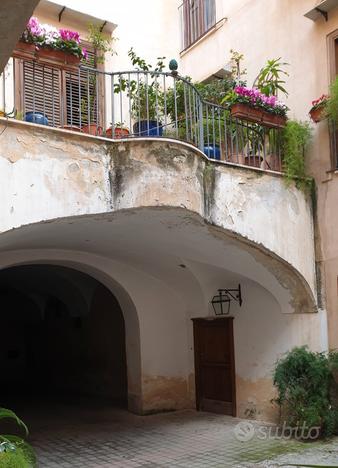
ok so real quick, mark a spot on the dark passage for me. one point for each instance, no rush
(62, 337)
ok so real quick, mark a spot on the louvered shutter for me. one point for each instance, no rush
(82, 95)
(42, 91)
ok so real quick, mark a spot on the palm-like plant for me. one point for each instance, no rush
(14, 450)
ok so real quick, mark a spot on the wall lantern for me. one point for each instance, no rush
(221, 302)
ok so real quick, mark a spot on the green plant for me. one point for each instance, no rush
(303, 380)
(331, 106)
(236, 69)
(295, 140)
(145, 93)
(269, 80)
(101, 44)
(14, 451)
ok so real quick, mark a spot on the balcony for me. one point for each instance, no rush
(135, 104)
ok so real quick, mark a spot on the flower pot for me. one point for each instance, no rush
(119, 132)
(24, 50)
(246, 112)
(260, 116)
(212, 151)
(148, 128)
(317, 114)
(92, 129)
(36, 117)
(57, 57)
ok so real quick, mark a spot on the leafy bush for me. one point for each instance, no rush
(303, 380)
(331, 107)
(14, 451)
(295, 140)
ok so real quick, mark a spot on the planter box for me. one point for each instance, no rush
(24, 50)
(317, 114)
(256, 115)
(57, 58)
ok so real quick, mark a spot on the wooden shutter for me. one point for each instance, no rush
(41, 91)
(84, 101)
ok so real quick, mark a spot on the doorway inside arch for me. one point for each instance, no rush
(63, 337)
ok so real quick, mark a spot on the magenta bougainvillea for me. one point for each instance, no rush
(45, 35)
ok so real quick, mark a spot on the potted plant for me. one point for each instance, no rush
(120, 131)
(101, 44)
(60, 47)
(252, 105)
(317, 111)
(146, 96)
(331, 105)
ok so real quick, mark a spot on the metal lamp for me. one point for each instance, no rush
(221, 302)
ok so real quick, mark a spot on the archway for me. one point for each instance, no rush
(65, 336)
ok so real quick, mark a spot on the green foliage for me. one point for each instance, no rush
(269, 80)
(295, 139)
(331, 107)
(14, 459)
(303, 379)
(14, 451)
(236, 70)
(146, 94)
(101, 44)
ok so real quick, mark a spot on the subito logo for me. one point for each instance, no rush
(244, 431)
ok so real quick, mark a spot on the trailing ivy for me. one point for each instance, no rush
(304, 383)
(296, 137)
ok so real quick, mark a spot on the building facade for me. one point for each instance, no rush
(116, 247)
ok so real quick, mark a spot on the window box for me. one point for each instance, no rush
(261, 116)
(57, 58)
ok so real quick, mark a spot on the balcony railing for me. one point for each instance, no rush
(136, 104)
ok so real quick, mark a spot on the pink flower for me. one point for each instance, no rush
(85, 53)
(34, 27)
(67, 35)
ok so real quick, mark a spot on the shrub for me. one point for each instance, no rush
(296, 137)
(303, 380)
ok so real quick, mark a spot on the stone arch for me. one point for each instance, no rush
(131, 323)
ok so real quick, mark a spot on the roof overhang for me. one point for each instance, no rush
(59, 12)
(321, 10)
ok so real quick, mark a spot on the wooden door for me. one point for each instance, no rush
(214, 365)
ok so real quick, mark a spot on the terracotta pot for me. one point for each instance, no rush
(253, 114)
(57, 57)
(24, 50)
(317, 114)
(246, 112)
(92, 129)
(119, 132)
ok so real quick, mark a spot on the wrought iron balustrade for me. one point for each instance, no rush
(134, 104)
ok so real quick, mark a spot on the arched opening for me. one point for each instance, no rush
(63, 337)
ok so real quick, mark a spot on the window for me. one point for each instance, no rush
(67, 98)
(197, 17)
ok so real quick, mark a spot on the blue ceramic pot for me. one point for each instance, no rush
(36, 117)
(212, 151)
(141, 128)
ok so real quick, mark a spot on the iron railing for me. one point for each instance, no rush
(132, 104)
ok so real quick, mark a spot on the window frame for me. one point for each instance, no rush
(189, 37)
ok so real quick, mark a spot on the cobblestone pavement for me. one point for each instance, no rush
(66, 436)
